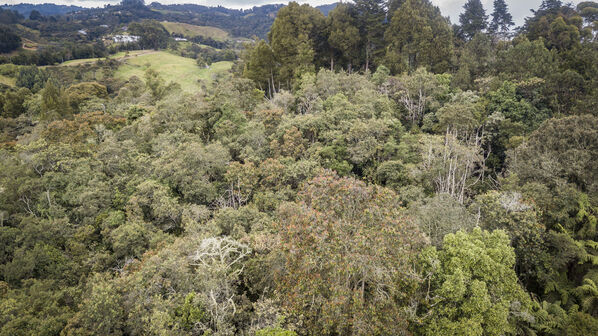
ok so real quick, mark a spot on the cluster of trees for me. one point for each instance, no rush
(406, 35)
(418, 202)
(204, 55)
(51, 55)
(9, 40)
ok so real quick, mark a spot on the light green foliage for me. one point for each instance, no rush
(420, 93)
(190, 30)
(508, 211)
(172, 68)
(462, 114)
(473, 289)
(275, 331)
(54, 102)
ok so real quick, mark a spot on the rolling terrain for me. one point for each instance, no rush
(171, 68)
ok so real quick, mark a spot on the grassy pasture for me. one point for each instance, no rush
(7, 80)
(118, 56)
(192, 30)
(172, 68)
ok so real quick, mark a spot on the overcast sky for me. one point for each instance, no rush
(519, 8)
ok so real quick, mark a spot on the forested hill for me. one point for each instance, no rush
(243, 23)
(47, 9)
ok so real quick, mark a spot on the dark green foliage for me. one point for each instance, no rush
(296, 40)
(344, 37)
(153, 34)
(31, 77)
(473, 20)
(418, 36)
(371, 17)
(9, 41)
(502, 20)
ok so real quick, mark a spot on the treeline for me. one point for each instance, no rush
(46, 9)
(404, 35)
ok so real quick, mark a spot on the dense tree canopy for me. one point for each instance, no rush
(473, 20)
(370, 172)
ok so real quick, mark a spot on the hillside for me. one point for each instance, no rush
(47, 9)
(185, 29)
(172, 68)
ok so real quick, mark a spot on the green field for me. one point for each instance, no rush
(118, 56)
(192, 30)
(7, 80)
(172, 68)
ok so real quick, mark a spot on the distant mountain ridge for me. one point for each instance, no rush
(47, 9)
(255, 21)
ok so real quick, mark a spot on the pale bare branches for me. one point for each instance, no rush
(219, 263)
(454, 165)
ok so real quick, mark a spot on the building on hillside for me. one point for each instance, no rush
(125, 38)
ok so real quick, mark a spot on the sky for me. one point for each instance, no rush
(519, 8)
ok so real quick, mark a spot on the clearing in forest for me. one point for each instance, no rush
(190, 30)
(171, 68)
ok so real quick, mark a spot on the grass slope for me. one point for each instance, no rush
(7, 80)
(172, 68)
(192, 30)
(118, 56)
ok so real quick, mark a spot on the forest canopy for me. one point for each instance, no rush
(374, 171)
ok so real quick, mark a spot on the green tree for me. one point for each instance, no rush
(371, 16)
(567, 146)
(9, 41)
(502, 20)
(260, 67)
(418, 36)
(527, 59)
(31, 77)
(14, 103)
(153, 34)
(473, 20)
(509, 211)
(588, 10)
(295, 38)
(55, 102)
(344, 37)
(345, 250)
(472, 288)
